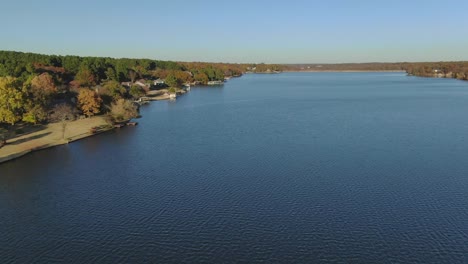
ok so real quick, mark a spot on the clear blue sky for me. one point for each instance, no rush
(286, 31)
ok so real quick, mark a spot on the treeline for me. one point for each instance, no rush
(458, 70)
(266, 68)
(93, 70)
(347, 67)
(88, 71)
(35, 87)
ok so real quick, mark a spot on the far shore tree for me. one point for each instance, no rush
(89, 102)
(63, 113)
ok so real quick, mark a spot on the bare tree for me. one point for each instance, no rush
(63, 113)
(133, 75)
(3, 136)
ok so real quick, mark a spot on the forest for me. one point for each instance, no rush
(36, 88)
(457, 70)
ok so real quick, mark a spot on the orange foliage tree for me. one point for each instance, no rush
(43, 87)
(89, 102)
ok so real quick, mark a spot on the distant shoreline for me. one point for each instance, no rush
(344, 71)
(80, 129)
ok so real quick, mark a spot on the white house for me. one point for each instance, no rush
(159, 82)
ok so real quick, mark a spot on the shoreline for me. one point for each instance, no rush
(81, 128)
(47, 146)
(343, 71)
(51, 136)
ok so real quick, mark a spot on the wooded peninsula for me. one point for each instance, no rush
(32, 85)
(40, 95)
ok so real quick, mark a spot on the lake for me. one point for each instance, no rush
(293, 167)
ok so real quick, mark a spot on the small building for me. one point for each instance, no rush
(143, 84)
(159, 82)
(215, 83)
(126, 84)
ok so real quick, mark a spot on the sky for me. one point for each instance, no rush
(255, 31)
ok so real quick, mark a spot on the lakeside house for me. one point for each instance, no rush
(126, 84)
(442, 74)
(143, 84)
(159, 82)
(215, 83)
(438, 73)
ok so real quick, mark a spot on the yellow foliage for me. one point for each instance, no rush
(89, 102)
(12, 100)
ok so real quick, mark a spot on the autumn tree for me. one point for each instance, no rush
(123, 110)
(114, 89)
(140, 70)
(85, 77)
(160, 73)
(42, 88)
(201, 77)
(183, 76)
(63, 113)
(172, 81)
(89, 102)
(35, 114)
(12, 100)
(136, 91)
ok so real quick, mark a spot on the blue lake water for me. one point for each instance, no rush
(294, 167)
